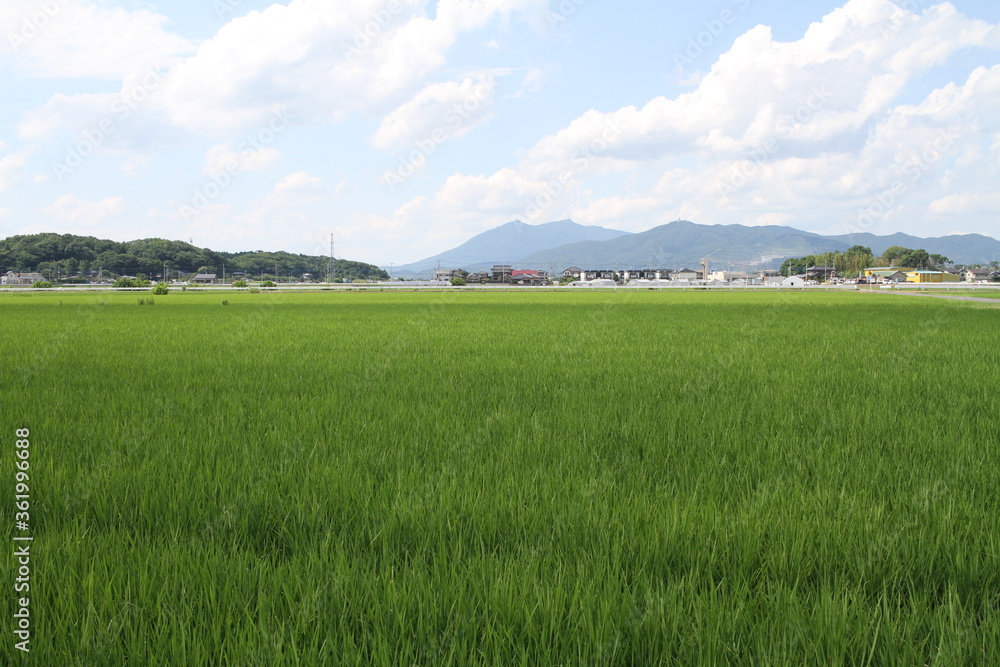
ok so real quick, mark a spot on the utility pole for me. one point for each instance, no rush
(329, 274)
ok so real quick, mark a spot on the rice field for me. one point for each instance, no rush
(462, 478)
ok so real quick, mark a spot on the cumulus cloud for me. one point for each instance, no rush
(80, 39)
(223, 158)
(322, 60)
(795, 132)
(10, 168)
(289, 208)
(438, 113)
(80, 213)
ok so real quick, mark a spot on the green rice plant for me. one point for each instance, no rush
(510, 478)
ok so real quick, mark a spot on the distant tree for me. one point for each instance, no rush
(268, 283)
(458, 281)
(160, 289)
(41, 284)
(939, 261)
(239, 282)
(895, 253)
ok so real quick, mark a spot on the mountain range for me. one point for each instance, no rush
(557, 245)
(508, 244)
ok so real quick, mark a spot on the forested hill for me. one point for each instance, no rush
(68, 254)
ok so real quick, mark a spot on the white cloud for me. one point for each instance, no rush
(222, 158)
(322, 60)
(800, 132)
(287, 211)
(300, 185)
(80, 39)
(438, 113)
(10, 168)
(79, 213)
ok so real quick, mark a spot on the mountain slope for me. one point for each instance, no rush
(684, 243)
(509, 244)
(959, 248)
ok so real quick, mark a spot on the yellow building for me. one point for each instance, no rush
(931, 277)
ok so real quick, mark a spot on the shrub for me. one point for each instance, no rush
(239, 282)
(160, 289)
(130, 282)
(41, 284)
(254, 290)
(268, 283)
(458, 281)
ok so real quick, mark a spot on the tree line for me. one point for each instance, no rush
(64, 255)
(857, 258)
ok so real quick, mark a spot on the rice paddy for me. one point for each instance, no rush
(507, 479)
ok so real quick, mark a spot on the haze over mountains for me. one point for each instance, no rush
(557, 245)
(510, 243)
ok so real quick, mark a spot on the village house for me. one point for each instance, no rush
(13, 278)
(686, 274)
(528, 277)
(975, 275)
(598, 274)
(444, 274)
(501, 272)
(477, 278)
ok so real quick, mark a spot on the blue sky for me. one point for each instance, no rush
(405, 127)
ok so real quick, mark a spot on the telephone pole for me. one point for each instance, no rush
(329, 275)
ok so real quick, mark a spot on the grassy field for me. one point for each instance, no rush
(506, 479)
